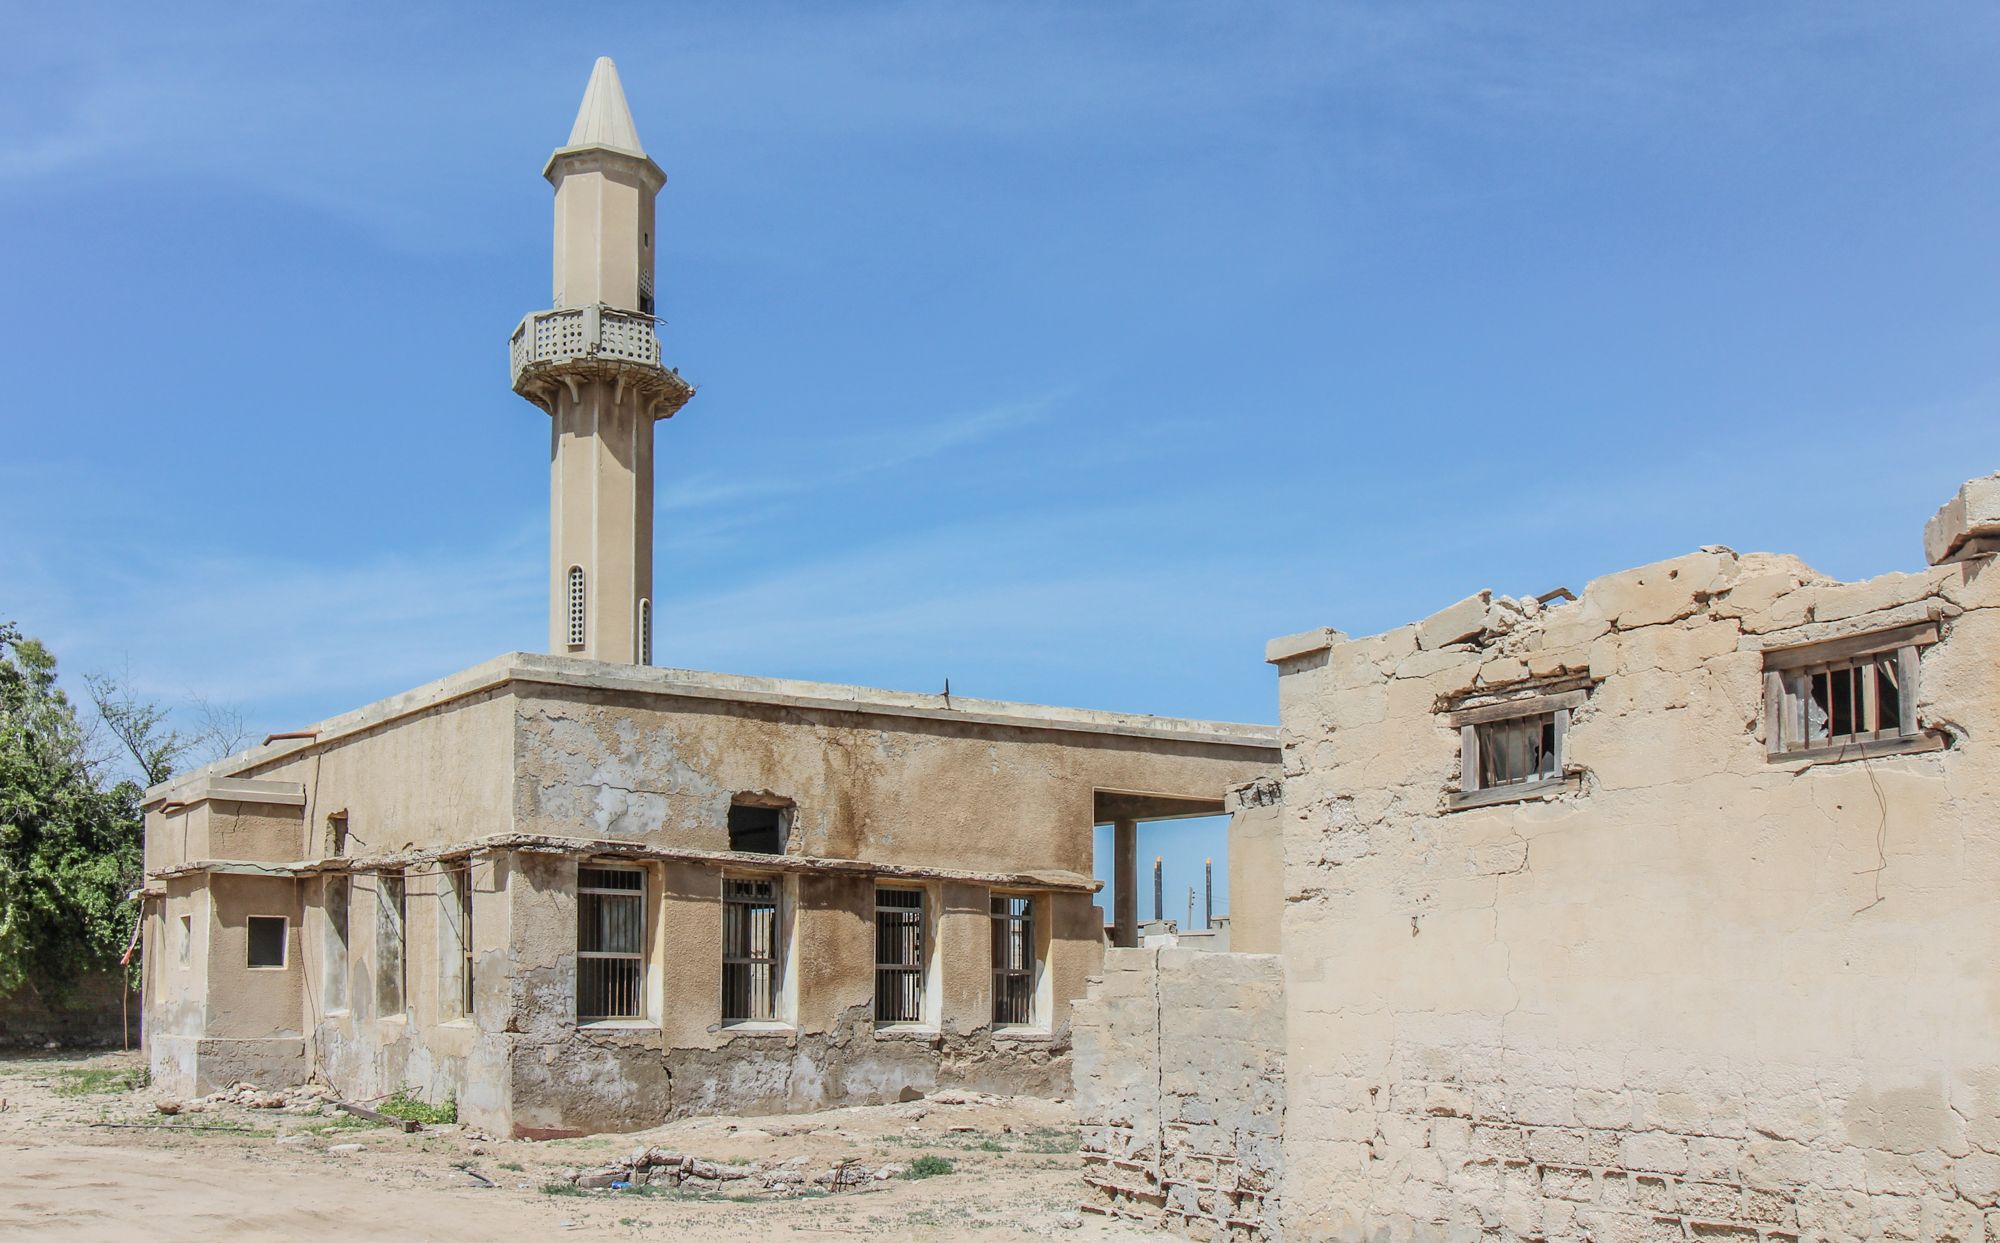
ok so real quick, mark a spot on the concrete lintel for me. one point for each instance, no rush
(215, 789)
(1052, 880)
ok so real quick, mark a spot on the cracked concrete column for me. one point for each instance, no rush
(1125, 850)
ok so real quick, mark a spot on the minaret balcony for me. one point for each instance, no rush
(576, 345)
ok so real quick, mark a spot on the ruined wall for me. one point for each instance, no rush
(925, 792)
(1180, 1090)
(1692, 992)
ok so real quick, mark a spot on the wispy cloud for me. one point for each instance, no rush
(838, 463)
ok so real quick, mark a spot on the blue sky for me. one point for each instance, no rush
(1068, 351)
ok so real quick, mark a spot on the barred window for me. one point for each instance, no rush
(899, 955)
(1013, 960)
(645, 632)
(750, 961)
(610, 942)
(576, 606)
(1845, 697)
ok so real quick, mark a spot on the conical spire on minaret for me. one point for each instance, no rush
(605, 119)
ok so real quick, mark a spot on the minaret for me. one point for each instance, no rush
(593, 363)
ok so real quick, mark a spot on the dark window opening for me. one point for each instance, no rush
(1014, 961)
(1517, 751)
(760, 830)
(750, 951)
(267, 940)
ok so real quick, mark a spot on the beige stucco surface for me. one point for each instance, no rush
(1698, 992)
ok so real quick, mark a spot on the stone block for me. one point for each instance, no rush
(1305, 643)
(1654, 1153)
(1454, 624)
(1977, 1178)
(1972, 513)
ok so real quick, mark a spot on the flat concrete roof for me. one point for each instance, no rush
(570, 672)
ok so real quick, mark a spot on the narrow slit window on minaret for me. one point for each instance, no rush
(645, 632)
(576, 606)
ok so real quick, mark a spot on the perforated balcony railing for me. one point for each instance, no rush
(593, 340)
(585, 332)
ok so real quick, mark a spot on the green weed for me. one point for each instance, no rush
(95, 1080)
(929, 1166)
(410, 1107)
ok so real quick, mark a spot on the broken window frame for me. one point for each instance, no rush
(617, 981)
(392, 940)
(284, 923)
(1477, 726)
(1017, 961)
(753, 950)
(1793, 675)
(334, 935)
(902, 954)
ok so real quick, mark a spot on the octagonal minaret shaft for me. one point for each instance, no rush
(593, 363)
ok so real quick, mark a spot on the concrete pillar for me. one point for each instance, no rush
(1125, 883)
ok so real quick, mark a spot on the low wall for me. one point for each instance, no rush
(1180, 1090)
(97, 1017)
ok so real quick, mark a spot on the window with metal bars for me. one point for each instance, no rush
(1848, 696)
(392, 980)
(899, 955)
(750, 950)
(610, 942)
(645, 632)
(576, 606)
(334, 898)
(1013, 960)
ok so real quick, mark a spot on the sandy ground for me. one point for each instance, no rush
(66, 1173)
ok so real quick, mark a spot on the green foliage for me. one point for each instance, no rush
(410, 1107)
(561, 1189)
(96, 1080)
(69, 846)
(929, 1166)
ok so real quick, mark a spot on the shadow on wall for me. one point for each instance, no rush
(103, 1014)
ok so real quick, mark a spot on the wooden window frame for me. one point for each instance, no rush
(1787, 669)
(1557, 705)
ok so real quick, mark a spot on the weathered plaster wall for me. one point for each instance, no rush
(924, 792)
(1180, 1090)
(1256, 868)
(1701, 994)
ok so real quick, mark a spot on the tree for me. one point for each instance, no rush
(70, 849)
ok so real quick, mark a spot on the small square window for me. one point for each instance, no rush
(757, 829)
(267, 940)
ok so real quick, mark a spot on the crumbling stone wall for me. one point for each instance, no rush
(102, 1013)
(1687, 991)
(1180, 1090)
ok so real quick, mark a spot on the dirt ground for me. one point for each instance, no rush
(85, 1155)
